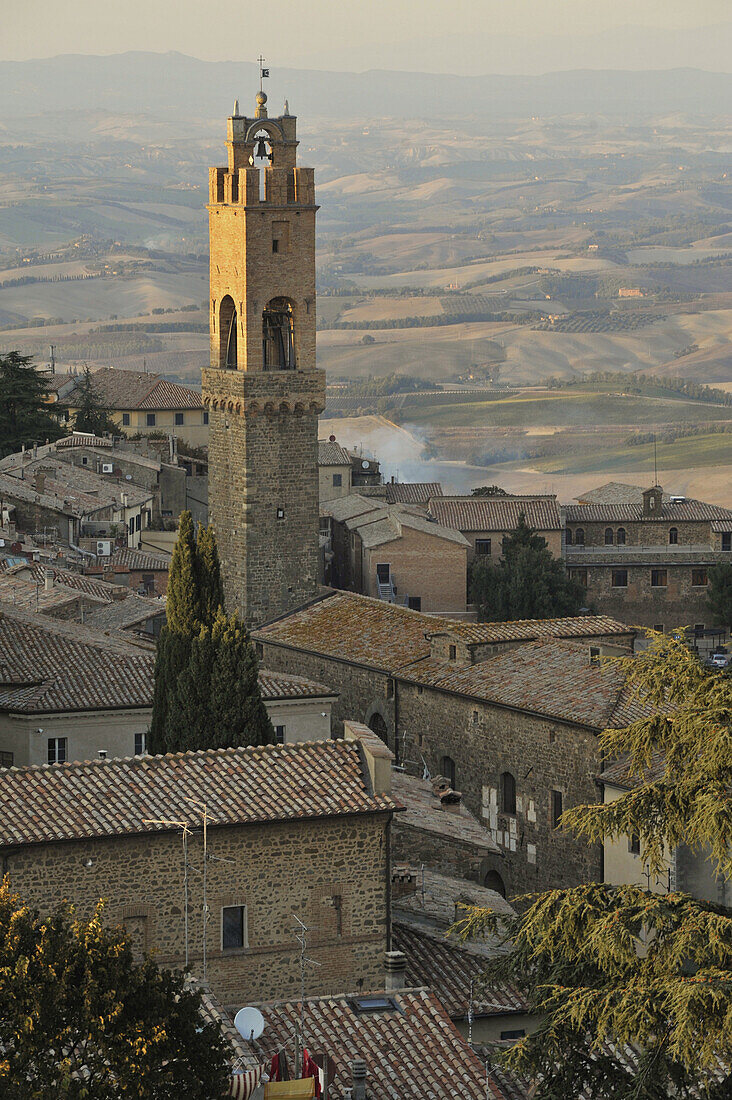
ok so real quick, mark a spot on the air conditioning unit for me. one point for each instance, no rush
(107, 468)
(104, 548)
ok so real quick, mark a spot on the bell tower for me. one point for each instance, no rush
(262, 389)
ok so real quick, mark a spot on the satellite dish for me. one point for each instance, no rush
(128, 477)
(364, 465)
(331, 439)
(249, 1022)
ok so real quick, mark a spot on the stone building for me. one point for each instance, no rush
(290, 831)
(510, 710)
(644, 555)
(395, 553)
(487, 521)
(262, 390)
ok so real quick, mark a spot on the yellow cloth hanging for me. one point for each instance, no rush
(290, 1090)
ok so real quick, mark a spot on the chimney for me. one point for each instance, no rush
(377, 756)
(102, 753)
(35, 450)
(451, 801)
(39, 480)
(47, 579)
(395, 964)
(403, 880)
(358, 1079)
(119, 593)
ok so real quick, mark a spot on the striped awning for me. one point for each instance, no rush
(243, 1084)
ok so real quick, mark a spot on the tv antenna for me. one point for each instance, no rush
(301, 937)
(186, 829)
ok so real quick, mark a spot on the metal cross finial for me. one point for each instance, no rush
(261, 61)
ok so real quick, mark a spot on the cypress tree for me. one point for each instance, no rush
(183, 609)
(216, 702)
(209, 570)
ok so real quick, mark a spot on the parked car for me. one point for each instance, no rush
(719, 660)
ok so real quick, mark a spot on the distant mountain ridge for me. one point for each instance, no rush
(173, 83)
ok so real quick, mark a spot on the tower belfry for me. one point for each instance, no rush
(262, 389)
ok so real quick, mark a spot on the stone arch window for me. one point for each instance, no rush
(508, 793)
(262, 158)
(378, 726)
(447, 767)
(609, 537)
(493, 881)
(228, 334)
(579, 536)
(278, 335)
(569, 536)
(673, 536)
(620, 536)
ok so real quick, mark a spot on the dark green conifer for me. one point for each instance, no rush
(211, 590)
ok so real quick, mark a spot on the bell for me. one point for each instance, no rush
(261, 153)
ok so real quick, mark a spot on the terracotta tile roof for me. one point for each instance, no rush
(496, 513)
(125, 557)
(722, 526)
(83, 439)
(618, 774)
(552, 677)
(433, 907)
(127, 389)
(332, 454)
(358, 629)
(447, 968)
(121, 614)
(381, 525)
(528, 630)
(23, 592)
(681, 511)
(240, 786)
(344, 508)
(424, 811)
(64, 579)
(615, 492)
(412, 492)
(71, 490)
(49, 667)
(412, 1051)
(283, 685)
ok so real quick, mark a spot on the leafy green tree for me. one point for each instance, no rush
(217, 702)
(604, 966)
(82, 1020)
(90, 415)
(488, 491)
(25, 416)
(528, 583)
(719, 594)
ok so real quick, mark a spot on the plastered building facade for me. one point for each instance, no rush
(262, 390)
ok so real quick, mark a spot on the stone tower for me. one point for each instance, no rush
(263, 390)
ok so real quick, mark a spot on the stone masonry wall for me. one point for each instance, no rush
(332, 873)
(679, 603)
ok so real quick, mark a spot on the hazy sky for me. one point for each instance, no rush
(346, 34)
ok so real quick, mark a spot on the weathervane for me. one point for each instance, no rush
(263, 73)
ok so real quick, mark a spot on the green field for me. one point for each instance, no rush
(682, 454)
(564, 410)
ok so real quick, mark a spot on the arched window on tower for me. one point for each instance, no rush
(621, 536)
(227, 334)
(278, 335)
(608, 536)
(493, 881)
(262, 158)
(508, 793)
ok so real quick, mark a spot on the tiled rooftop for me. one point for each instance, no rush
(496, 513)
(241, 786)
(125, 557)
(615, 492)
(332, 454)
(552, 677)
(382, 525)
(447, 968)
(528, 630)
(435, 906)
(27, 594)
(283, 685)
(618, 774)
(412, 492)
(127, 389)
(121, 614)
(72, 490)
(92, 587)
(424, 811)
(412, 1051)
(681, 511)
(48, 667)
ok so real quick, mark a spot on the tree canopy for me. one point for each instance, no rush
(91, 416)
(25, 415)
(206, 692)
(607, 967)
(83, 1021)
(719, 594)
(527, 583)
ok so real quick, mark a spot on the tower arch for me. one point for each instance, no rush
(228, 339)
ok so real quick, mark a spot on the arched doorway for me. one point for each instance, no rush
(378, 726)
(493, 881)
(278, 335)
(227, 334)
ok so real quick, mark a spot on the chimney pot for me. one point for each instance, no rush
(358, 1078)
(48, 579)
(450, 801)
(102, 754)
(395, 964)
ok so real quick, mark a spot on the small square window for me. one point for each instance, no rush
(414, 603)
(280, 513)
(420, 689)
(594, 654)
(337, 481)
(150, 420)
(84, 460)
(205, 416)
(579, 575)
(510, 1036)
(658, 628)
(698, 578)
(659, 578)
(620, 578)
(452, 652)
(259, 649)
(275, 246)
(727, 540)
(280, 734)
(140, 744)
(6, 759)
(233, 927)
(634, 844)
(556, 808)
(125, 420)
(483, 547)
(179, 419)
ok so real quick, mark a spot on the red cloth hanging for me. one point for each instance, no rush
(310, 1068)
